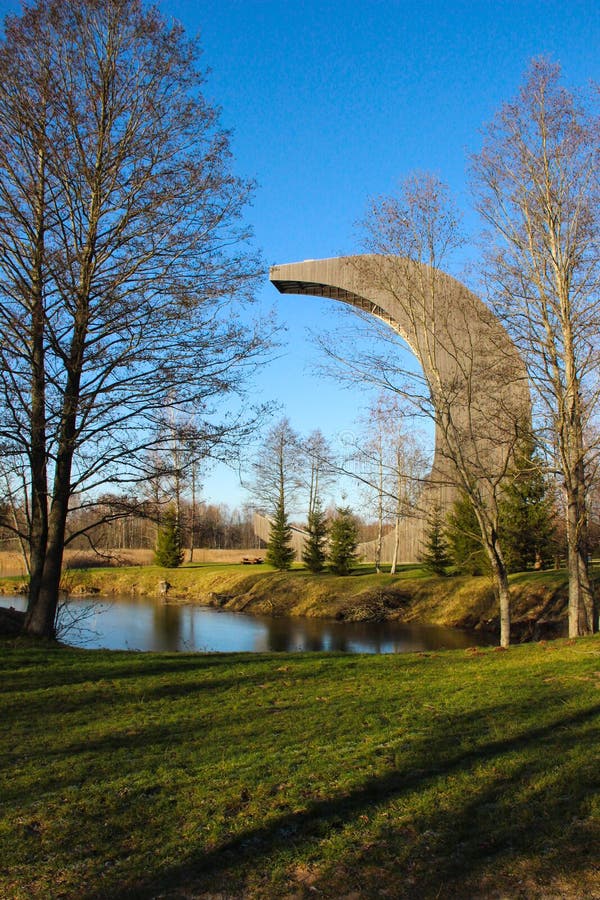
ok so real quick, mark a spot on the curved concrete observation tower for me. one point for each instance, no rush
(475, 376)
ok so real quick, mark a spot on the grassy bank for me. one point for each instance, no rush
(410, 596)
(433, 775)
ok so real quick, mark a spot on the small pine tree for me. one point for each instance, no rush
(527, 519)
(435, 557)
(280, 553)
(169, 551)
(343, 540)
(314, 553)
(464, 539)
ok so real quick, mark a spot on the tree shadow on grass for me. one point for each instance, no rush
(67, 702)
(515, 813)
(28, 674)
(526, 833)
(116, 750)
(147, 688)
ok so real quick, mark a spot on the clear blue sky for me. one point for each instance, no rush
(333, 102)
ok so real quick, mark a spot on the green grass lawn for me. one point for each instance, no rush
(451, 774)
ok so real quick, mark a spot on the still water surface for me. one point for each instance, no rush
(142, 623)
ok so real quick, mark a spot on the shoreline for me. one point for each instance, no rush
(538, 598)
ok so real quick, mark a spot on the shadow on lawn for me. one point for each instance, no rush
(512, 837)
(529, 812)
(27, 673)
(119, 748)
(126, 687)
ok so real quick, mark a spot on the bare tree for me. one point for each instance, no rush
(373, 450)
(387, 464)
(14, 511)
(278, 472)
(537, 185)
(320, 467)
(120, 250)
(278, 468)
(183, 450)
(404, 465)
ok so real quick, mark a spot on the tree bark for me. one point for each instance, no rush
(396, 546)
(38, 465)
(581, 594)
(500, 576)
(41, 618)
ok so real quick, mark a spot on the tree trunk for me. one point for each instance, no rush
(38, 534)
(379, 543)
(400, 488)
(504, 603)
(379, 511)
(581, 595)
(41, 615)
(396, 546)
(500, 576)
(39, 485)
(311, 489)
(43, 600)
(193, 513)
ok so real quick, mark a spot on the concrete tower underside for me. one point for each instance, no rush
(468, 360)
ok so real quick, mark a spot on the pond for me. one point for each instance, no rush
(143, 623)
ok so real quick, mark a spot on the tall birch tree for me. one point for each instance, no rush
(537, 184)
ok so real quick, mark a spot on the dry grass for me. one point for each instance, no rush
(12, 564)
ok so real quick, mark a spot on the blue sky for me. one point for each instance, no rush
(333, 102)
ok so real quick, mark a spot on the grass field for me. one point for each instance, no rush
(451, 774)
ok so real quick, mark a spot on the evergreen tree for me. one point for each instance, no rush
(343, 540)
(464, 538)
(527, 520)
(315, 553)
(280, 553)
(169, 550)
(436, 556)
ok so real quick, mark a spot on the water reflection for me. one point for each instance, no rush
(127, 623)
(167, 622)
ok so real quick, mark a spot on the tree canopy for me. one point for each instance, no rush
(122, 248)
